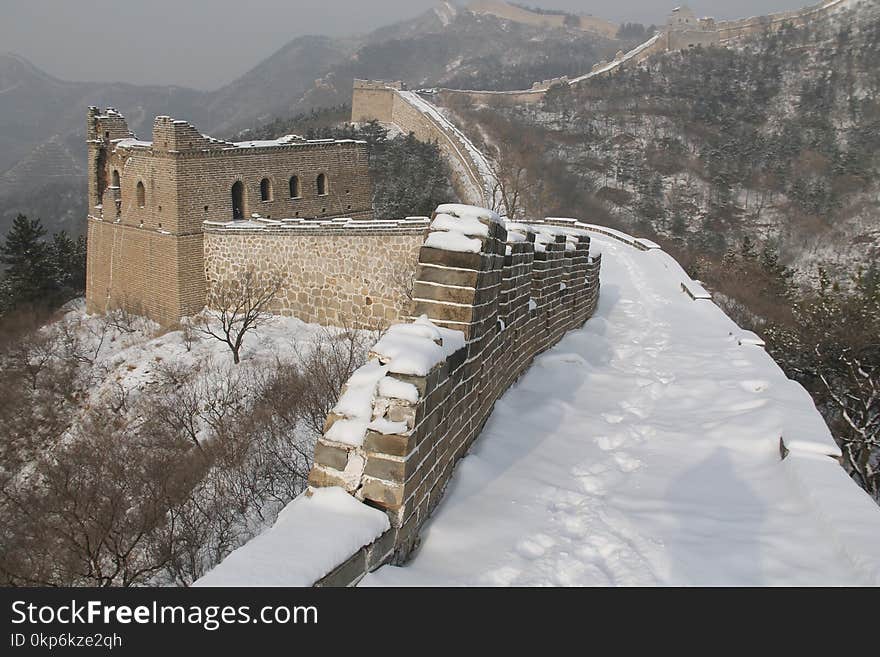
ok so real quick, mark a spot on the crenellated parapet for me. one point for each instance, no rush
(488, 298)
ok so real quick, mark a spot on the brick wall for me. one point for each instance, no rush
(513, 300)
(142, 271)
(148, 202)
(358, 276)
(381, 101)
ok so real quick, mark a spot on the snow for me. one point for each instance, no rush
(356, 405)
(617, 62)
(311, 537)
(449, 241)
(131, 142)
(644, 450)
(414, 349)
(130, 361)
(466, 225)
(397, 389)
(281, 141)
(469, 212)
(388, 427)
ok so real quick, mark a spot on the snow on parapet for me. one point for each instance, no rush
(312, 536)
(408, 349)
(460, 228)
(414, 349)
(546, 233)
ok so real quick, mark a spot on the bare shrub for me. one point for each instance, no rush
(94, 513)
(238, 306)
(153, 486)
(333, 359)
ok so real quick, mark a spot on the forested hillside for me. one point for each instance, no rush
(776, 138)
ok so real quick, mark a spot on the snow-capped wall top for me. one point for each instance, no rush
(312, 535)
(460, 228)
(459, 210)
(414, 349)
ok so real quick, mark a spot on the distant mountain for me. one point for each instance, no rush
(42, 134)
(774, 137)
(42, 118)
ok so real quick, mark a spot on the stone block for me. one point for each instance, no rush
(382, 493)
(347, 573)
(330, 455)
(394, 445)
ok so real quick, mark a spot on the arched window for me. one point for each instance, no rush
(141, 194)
(238, 200)
(115, 178)
(265, 190)
(294, 187)
(322, 184)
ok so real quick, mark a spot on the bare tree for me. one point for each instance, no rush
(238, 306)
(403, 279)
(854, 388)
(507, 191)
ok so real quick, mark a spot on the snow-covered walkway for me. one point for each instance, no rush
(644, 450)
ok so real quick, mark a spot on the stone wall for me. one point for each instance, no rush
(148, 201)
(150, 273)
(760, 24)
(488, 315)
(356, 274)
(388, 103)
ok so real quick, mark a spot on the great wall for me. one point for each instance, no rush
(682, 30)
(489, 296)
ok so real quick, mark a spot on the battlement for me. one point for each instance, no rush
(106, 126)
(177, 136)
(149, 201)
(379, 84)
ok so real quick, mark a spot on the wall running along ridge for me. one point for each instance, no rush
(387, 102)
(408, 416)
(705, 33)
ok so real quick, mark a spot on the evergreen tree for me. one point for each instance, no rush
(28, 263)
(68, 258)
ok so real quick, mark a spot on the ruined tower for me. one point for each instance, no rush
(148, 201)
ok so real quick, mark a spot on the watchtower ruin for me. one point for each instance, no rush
(148, 201)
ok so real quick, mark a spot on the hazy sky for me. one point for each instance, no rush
(206, 43)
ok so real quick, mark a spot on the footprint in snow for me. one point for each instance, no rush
(754, 385)
(632, 408)
(534, 547)
(607, 443)
(627, 463)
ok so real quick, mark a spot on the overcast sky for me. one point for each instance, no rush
(206, 43)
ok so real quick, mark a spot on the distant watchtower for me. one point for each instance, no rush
(149, 199)
(685, 30)
(682, 18)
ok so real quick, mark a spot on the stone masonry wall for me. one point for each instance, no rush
(358, 277)
(514, 299)
(383, 102)
(760, 24)
(148, 201)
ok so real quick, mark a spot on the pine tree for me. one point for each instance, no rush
(28, 262)
(68, 257)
